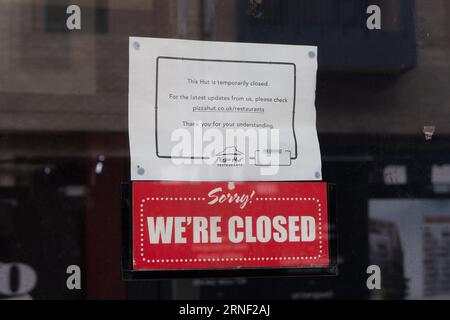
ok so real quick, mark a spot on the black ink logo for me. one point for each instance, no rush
(230, 156)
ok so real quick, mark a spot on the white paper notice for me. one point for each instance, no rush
(220, 111)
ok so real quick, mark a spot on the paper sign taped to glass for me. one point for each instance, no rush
(222, 111)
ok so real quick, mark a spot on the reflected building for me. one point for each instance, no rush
(436, 253)
(386, 252)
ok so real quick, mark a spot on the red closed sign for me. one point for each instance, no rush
(223, 225)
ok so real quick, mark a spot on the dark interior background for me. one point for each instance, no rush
(64, 144)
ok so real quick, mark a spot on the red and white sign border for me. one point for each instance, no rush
(191, 198)
(128, 273)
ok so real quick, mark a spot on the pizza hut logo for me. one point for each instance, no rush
(230, 156)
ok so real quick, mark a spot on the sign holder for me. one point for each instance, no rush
(129, 273)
